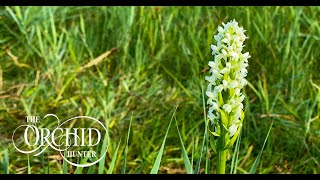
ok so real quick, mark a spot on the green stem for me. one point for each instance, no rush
(221, 168)
(222, 155)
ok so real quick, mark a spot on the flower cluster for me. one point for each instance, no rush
(228, 72)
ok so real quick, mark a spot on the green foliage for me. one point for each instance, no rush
(256, 162)
(151, 60)
(156, 164)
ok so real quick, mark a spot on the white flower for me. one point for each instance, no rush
(233, 129)
(225, 70)
(220, 29)
(209, 87)
(225, 84)
(227, 39)
(233, 84)
(210, 94)
(215, 73)
(243, 72)
(243, 82)
(215, 106)
(237, 91)
(219, 88)
(211, 115)
(241, 98)
(213, 64)
(224, 52)
(234, 55)
(211, 79)
(228, 72)
(227, 108)
(214, 49)
(217, 37)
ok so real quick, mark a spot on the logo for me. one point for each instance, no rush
(77, 138)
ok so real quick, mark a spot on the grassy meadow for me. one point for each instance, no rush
(140, 64)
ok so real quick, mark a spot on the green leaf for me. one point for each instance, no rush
(186, 160)
(82, 26)
(91, 170)
(53, 29)
(31, 91)
(140, 167)
(6, 161)
(230, 119)
(42, 162)
(175, 79)
(220, 98)
(48, 163)
(156, 164)
(123, 169)
(233, 139)
(234, 162)
(207, 168)
(29, 167)
(80, 169)
(213, 144)
(65, 85)
(256, 162)
(15, 19)
(114, 158)
(103, 160)
(197, 168)
(65, 164)
(193, 147)
(214, 133)
(224, 117)
(241, 115)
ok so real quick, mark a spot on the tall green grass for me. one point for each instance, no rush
(106, 62)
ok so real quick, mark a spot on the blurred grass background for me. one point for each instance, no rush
(107, 62)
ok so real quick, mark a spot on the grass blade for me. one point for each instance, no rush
(234, 162)
(65, 164)
(114, 158)
(80, 169)
(91, 170)
(256, 162)
(103, 160)
(29, 167)
(176, 80)
(15, 19)
(6, 160)
(193, 147)
(186, 160)
(197, 168)
(48, 163)
(123, 169)
(5, 163)
(140, 167)
(156, 164)
(42, 162)
(206, 140)
(207, 170)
